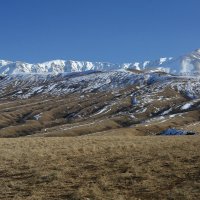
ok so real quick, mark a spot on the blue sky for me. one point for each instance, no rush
(97, 30)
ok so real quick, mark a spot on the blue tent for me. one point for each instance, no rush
(173, 131)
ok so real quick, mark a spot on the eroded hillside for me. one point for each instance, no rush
(94, 102)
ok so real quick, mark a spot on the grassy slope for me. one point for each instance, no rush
(100, 167)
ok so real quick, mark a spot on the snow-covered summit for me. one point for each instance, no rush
(54, 66)
(191, 62)
(185, 65)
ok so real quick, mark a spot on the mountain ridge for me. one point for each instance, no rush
(186, 64)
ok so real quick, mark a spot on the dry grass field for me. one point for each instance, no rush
(100, 167)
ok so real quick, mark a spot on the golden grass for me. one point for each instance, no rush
(100, 167)
(20, 130)
(81, 129)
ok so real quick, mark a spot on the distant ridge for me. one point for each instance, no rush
(186, 64)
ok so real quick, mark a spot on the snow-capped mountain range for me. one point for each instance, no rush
(187, 64)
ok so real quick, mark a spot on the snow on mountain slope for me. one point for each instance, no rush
(58, 101)
(54, 66)
(183, 65)
(191, 62)
(26, 85)
(188, 64)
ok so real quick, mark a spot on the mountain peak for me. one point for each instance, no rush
(197, 50)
